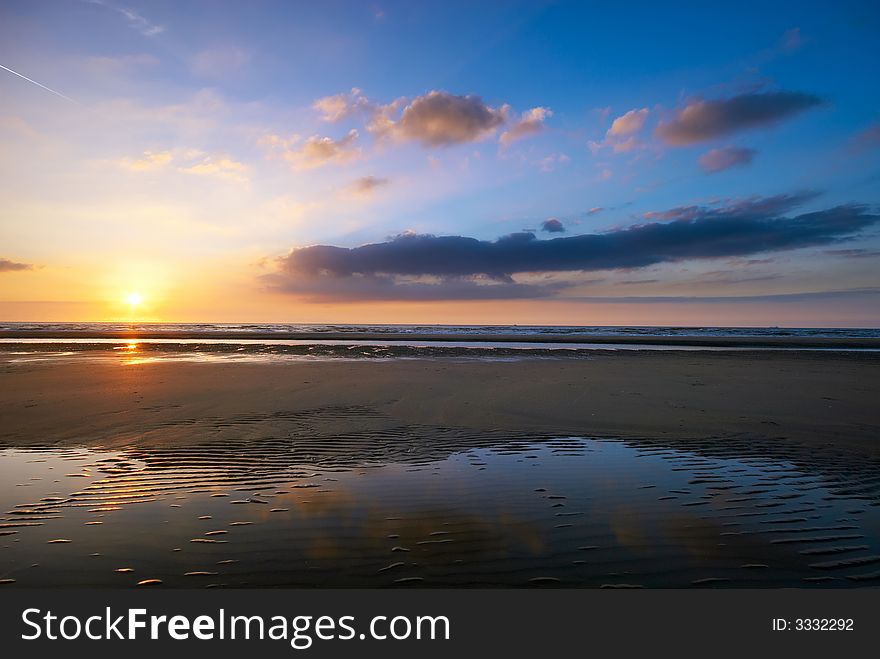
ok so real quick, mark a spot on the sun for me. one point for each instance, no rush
(134, 299)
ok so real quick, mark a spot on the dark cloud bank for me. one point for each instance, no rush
(458, 267)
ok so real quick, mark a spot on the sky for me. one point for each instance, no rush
(580, 163)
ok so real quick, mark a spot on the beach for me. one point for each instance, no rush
(131, 464)
(810, 396)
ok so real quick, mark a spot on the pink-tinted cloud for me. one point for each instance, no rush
(702, 120)
(530, 123)
(628, 123)
(316, 151)
(439, 119)
(717, 160)
(868, 138)
(341, 106)
(365, 186)
(12, 266)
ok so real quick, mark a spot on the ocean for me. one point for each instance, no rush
(146, 342)
(269, 329)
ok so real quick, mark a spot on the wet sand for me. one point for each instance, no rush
(653, 469)
(821, 397)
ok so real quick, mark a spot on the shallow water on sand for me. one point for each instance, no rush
(421, 506)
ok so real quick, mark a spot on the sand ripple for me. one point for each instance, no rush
(286, 499)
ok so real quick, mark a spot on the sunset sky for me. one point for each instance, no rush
(456, 162)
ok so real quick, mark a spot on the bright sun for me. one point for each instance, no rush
(134, 299)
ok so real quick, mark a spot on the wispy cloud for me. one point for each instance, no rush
(792, 41)
(866, 294)
(220, 62)
(366, 186)
(718, 160)
(857, 253)
(315, 151)
(150, 160)
(551, 162)
(135, 20)
(752, 207)
(867, 139)
(359, 289)
(223, 167)
(189, 161)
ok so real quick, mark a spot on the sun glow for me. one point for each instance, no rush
(134, 299)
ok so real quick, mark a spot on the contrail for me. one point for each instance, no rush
(39, 85)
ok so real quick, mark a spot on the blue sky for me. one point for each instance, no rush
(211, 143)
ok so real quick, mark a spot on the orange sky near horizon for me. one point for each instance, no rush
(269, 308)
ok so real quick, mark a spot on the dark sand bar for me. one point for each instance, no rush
(609, 339)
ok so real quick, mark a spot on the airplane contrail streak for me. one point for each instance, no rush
(67, 98)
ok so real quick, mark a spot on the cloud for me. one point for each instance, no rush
(829, 296)
(854, 253)
(637, 246)
(626, 145)
(150, 160)
(341, 106)
(316, 151)
(637, 282)
(220, 63)
(105, 66)
(439, 119)
(371, 288)
(792, 41)
(409, 259)
(551, 162)
(867, 139)
(189, 161)
(621, 136)
(717, 160)
(220, 166)
(628, 123)
(746, 207)
(365, 186)
(529, 123)
(702, 120)
(135, 20)
(552, 225)
(11, 266)
(435, 119)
